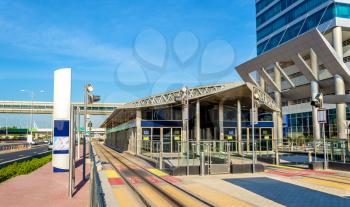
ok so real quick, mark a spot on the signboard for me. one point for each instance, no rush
(253, 116)
(29, 138)
(61, 117)
(61, 136)
(322, 116)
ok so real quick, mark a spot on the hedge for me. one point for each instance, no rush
(21, 168)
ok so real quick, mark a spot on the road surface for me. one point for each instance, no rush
(5, 157)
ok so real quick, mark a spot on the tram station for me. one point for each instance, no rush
(218, 118)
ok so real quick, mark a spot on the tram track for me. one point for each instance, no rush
(152, 189)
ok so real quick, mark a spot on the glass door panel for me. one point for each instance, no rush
(176, 139)
(266, 139)
(166, 139)
(155, 139)
(146, 139)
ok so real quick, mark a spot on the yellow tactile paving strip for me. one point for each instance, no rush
(326, 183)
(215, 197)
(185, 199)
(111, 174)
(334, 178)
(286, 167)
(153, 196)
(125, 198)
(123, 194)
(157, 172)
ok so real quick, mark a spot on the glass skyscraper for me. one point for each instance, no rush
(278, 21)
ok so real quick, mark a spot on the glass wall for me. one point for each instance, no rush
(312, 21)
(162, 113)
(288, 17)
(262, 4)
(273, 10)
(300, 124)
(295, 30)
(342, 10)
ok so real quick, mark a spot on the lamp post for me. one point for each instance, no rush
(253, 117)
(87, 89)
(184, 91)
(31, 92)
(6, 127)
(89, 98)
(183, 97)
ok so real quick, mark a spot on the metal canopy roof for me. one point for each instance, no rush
(293, 51)
(217, 92)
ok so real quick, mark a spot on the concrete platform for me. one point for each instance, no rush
(44, 188)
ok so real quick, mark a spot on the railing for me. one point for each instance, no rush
(96, 193)
(336, 149)
(14, 147)
(182, 153)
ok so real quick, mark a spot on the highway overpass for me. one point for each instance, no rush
(26, 107)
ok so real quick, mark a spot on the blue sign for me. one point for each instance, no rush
(61, 137)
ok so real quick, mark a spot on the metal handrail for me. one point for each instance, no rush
(97, 196)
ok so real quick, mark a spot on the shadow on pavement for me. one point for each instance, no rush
(81, 184)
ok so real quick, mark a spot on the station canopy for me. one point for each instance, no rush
(228, 93)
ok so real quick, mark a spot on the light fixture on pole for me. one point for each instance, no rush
(185, 101)
(31, 92)
(322, 119)
(89, 98)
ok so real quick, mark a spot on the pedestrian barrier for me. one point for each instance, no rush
(14, 147)
(97, 198)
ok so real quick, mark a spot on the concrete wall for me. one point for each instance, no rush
(122, 140)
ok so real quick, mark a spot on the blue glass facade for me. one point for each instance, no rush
(300, 124)
(323, 15)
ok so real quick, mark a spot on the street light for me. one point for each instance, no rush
(322, 119)
(32, 93)
(184, 99)
(89, 98)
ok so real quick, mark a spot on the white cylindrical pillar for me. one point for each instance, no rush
(338, 41)
(198, 125)
(239, 127)
(61, 118)
(341, 108)
(314, 91)
(315, 124)
(278, 100)
(339, 84)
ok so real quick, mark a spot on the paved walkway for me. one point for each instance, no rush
(283, 186)
(44, 188)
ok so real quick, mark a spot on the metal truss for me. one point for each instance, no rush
(170, 97)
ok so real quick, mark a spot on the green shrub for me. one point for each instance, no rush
(21, 168)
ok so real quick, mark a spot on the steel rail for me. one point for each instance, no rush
(132, 186)
(154, 186)
(159, 177)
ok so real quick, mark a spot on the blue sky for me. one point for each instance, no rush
(126, 50)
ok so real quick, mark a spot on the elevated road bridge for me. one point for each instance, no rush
(26, 107)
